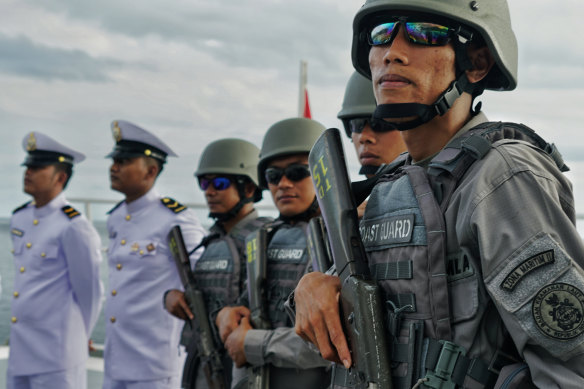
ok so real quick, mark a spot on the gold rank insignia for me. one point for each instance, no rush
(173, 205)
(150, 247)
(70, 211)
(117, 132)
(135, 246)
(31, 143)
(17, 232)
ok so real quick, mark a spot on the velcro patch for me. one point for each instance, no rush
(526, 267)
(391, 230)
(173, 205)
(17, 232)
(558, 311)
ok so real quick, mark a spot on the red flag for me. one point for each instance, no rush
(306, 113)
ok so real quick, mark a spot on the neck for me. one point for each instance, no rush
(243, 212)
(135, 195)
(429, 138)
(45, 198)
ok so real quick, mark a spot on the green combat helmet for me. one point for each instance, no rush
(286, 137)
(234, 157)
(359, 100)
(479, 21)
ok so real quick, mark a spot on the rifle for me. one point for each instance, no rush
(360, 301)
(207, 347)
(318, 248)
(257, 274)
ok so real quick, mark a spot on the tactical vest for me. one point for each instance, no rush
(220, 272)
(404, 233)
(287, 262)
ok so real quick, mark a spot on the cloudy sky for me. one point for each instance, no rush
(193, 71)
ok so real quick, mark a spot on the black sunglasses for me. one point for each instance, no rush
(356, 125)
(219, 183)
(295, 172)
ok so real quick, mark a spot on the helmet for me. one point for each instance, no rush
(359, 100)
(286, 137)
(489, 18)
(231, 156)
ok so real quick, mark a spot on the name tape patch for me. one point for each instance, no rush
(526, 267)
(17, 232)
(214, 265)
(396, 229)
(285, 254)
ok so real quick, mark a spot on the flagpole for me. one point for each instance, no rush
(302, 88)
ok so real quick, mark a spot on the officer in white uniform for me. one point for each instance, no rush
(57, 289)
(142, 339)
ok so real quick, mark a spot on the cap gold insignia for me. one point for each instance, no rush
(147, 152)
(61, 158)
(150, 247)
(117, 132)
(31, 144)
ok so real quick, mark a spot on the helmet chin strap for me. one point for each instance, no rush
(224, 216)
(424, 113)
(305, 216)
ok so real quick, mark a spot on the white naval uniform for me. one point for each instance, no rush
(57, 290)
(142, 338)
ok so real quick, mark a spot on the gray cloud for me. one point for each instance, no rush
(253, 34)
(22, 57)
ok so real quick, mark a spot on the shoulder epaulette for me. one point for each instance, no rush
(115, 207)
(173, 205)
(70, 211)
(21, 207)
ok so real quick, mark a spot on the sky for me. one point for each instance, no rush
(193, 71)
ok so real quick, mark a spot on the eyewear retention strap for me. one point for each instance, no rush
(295, 172)
(422, 33)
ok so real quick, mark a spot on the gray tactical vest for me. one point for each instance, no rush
(287, 262)
(404, 234)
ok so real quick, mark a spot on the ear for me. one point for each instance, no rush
(61, 177)
(482, 62)
(151, 171)
(249, 189)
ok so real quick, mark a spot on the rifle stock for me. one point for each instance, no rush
(207, 348)
(360, 307)
(257, 274)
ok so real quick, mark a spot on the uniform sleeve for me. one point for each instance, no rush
(193, 233)
(281, 347)
(523, 223)
(82, 247)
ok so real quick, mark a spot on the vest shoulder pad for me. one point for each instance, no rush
(115, 207)
(173, 205)
(20, 208)
(70, 211)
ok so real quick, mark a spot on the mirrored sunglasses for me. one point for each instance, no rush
(219, 183)
(295, 172)
(421, 33)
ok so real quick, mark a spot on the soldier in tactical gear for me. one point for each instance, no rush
(477, 288)
(283, 169)
(376, 142)
(227, 173)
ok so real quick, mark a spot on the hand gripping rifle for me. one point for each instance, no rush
(206, 345)
(257, 274)
(360, 308)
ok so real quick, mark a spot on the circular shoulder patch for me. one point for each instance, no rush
(558, 311)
